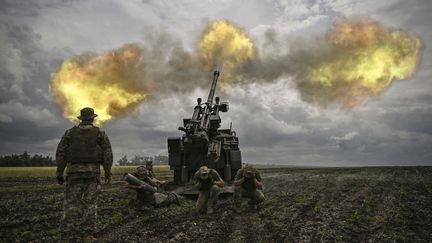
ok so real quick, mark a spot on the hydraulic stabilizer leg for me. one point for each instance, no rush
(227, 172)
(184, 174)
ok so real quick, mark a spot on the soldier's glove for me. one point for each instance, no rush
(60, 180)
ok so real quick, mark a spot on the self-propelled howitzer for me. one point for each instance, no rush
(204, 143)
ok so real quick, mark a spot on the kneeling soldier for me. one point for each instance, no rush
(208, 183)
(146, 195)
(248, 184)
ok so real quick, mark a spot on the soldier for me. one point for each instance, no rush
(248, 184)
(147, 198)
(82, 150)
(149, 167)
(208, 182)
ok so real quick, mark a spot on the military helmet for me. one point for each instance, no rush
(203, 172)
(87, 114)
(149, 162)
(248, 172)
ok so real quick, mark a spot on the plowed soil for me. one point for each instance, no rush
(302, 205)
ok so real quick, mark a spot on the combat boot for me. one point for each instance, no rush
(175, 198)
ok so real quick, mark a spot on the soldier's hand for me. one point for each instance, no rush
(160, 183)
(108, 179)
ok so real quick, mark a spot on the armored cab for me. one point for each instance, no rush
(204, 143)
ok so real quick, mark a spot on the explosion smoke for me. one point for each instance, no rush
(111, 83)
(117, 81)
(224, 43)
(361, 60)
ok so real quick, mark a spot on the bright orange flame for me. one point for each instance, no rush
(223, 43)
(365, 58)
(109, 83)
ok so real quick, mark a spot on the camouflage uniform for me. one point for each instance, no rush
(83, 177)
(149, 164)
(208, 191)
(146, 199)
(248, 188)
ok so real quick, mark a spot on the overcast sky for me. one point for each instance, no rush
(273, 124)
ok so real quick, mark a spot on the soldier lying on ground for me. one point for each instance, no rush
(208, 183)
(149, 166)
(248, 184)
(146, 195)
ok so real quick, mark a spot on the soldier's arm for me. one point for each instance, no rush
(258, 181)
(217, 180)
(159, 182)
(107, 154)
(61, 159)
(197, 182)
(152, 182)
(239, 179)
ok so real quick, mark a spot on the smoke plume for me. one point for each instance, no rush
(360, 59)
(111, 83)
(355, 60)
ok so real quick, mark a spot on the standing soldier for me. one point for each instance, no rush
(81, 151)
(149, 167)
(248, 184)
(208, 182)
(146, 195)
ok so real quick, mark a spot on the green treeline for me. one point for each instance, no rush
(25, 159)
(141, 160)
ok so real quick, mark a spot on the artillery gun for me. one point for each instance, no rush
(204, 143)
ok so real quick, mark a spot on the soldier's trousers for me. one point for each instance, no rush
(80, 208)
(207, 199)
(255, 196)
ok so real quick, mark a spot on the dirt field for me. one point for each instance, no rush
(302, 205)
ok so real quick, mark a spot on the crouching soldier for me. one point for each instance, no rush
(208, 183)
(248, 184)
(147, 196)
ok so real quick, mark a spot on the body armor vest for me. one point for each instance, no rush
(206, 184)
(83, 146)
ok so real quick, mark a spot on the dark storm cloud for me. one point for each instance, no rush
(274, 125)
(28, 120)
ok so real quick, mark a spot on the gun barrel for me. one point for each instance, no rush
(216, 74)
